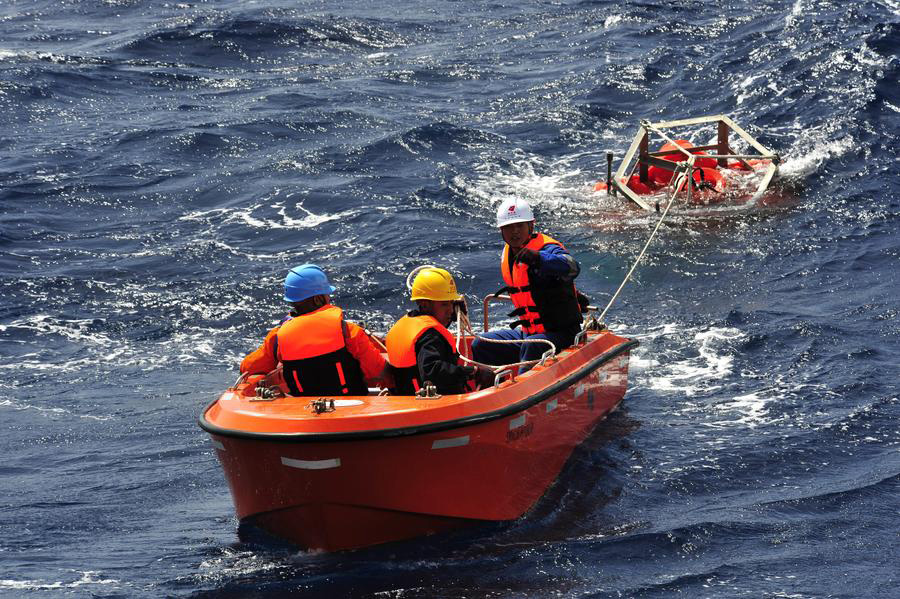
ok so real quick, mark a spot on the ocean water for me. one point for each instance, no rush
(162, 164)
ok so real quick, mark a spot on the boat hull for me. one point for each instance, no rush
(359, 488)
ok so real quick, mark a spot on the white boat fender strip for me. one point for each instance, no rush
(451, 442)
(312, 464)
(517, 422)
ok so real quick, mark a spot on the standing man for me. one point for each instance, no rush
(539, 274)
(321, 353)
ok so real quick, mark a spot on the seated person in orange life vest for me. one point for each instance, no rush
(420, 348)
(321, 353)
(539, 274)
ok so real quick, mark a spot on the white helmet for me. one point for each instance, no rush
(514, 211)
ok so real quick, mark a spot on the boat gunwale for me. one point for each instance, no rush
(513, 408)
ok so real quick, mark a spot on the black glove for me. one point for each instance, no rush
(484, 377)
(529, 257)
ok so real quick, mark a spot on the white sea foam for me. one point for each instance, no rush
(748, 409)
(71, 329)
(247, 215)
(50, 412)
(812, 152)
(611, 21)
(87, 578)
(704, 359)
(549, 186)
(232, 564)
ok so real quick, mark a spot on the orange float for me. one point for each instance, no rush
(708, 162)
(659, 175)
(634, 184)
(677, 156)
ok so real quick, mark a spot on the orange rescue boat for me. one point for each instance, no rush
(347, 472)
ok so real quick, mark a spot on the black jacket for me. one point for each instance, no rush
(437, 362)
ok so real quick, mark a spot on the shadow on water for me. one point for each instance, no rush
(448, 563)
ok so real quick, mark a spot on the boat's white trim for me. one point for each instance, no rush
(517, 422)
(217, 444)
(311, 464)
(552, 405)
(347, 403)
(451, 442)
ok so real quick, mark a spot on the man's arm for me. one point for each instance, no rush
(263, 358)
(552, 261)
(366, 352)
(437, 363)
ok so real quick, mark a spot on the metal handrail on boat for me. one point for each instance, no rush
(499, 295)
(241, 378)
(510, 372)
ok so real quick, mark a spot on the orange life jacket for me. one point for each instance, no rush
(551, 306)
(314, 352)
(401, 349)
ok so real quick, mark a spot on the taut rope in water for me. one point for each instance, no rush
(640, 256)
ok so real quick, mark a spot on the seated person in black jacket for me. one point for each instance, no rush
(420, 348)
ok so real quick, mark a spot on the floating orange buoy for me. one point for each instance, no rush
(634, 184)
(705, 162)
(659, 175)
(739, 166)
(677, 157)
(663, 176)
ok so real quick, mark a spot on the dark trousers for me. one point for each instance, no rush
(498, 354)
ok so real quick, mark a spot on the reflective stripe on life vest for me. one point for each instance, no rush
(312, 347)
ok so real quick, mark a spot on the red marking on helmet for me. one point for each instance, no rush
(512, 208)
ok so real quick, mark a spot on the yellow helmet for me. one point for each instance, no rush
(434, 284)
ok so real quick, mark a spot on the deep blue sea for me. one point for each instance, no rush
(162, 164)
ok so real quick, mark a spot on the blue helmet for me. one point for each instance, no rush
(303, 282)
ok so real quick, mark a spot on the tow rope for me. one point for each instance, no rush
(639, 258)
